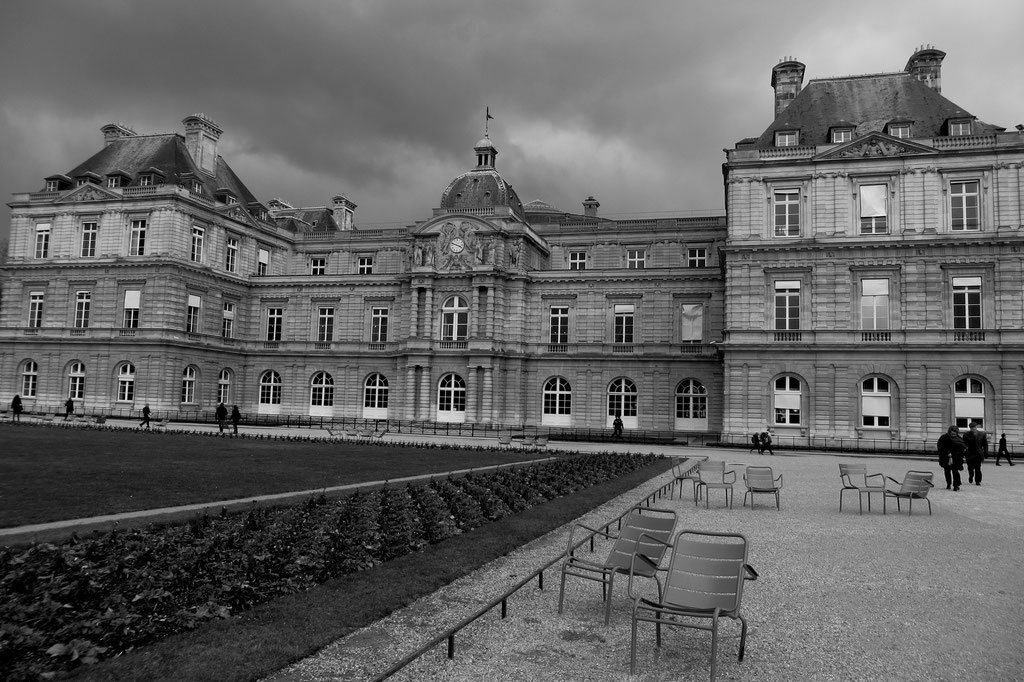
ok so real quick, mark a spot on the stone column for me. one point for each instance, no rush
(425, 387)
(410, 392)
(488, 398)
(414, 313)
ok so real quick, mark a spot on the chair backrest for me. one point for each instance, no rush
(762, 478)
(658, 523)
(706, 571)
(712, 471)
(916, 483)
(854, 474)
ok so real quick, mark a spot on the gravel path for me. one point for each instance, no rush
(841, 596)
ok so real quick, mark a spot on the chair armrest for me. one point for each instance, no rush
(572, 532)
(779, 480)
(749, 572)
(893, 480)
(881, 476)
(645, 559)
(727, 473)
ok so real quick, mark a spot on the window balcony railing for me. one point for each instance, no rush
(788, 337)
(876, 337)
(126, 332)
(558, 348)
(77, 331)
(968, 336)
(322, 345)
(271, 345)
(452, 345)
(621, 348)
(378, 346)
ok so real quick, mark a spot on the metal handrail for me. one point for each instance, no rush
(450, 633)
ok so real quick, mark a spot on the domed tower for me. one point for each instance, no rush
(482, 187)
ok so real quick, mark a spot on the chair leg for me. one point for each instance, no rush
(743, 635)
(608, 598)
(714, 643)
(561, 592)
(632, 647)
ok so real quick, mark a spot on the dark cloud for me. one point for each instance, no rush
(383, 100)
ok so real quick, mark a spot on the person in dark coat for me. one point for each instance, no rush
(617, 426)
(16, 408)
(222, 415)
(1003, 451)
(977, 444)
(236, 417)
(951, 456)
(766, 443)
(69, 408)
(145, 416)
(756, 441)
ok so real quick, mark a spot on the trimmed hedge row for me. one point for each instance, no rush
(66, 605)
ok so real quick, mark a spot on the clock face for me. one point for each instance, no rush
(456, 245)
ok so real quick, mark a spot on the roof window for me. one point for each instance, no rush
(959, 127)
(787, 138)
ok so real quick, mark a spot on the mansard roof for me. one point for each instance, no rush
(164, 155)
(868, 103)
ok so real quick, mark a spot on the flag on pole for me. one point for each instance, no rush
(489, 117)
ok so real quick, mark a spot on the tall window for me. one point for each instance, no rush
(76, 381)
(227, 322)
(577, 260)
(622, 398)
(787, 138)
(692, 318)
(964, 206)
(321, 390)
(559, 324)
(137, 240)
(270, 388)
(379, 318)
(43, 240)
(451, 394)
(901, 130)
(83, 300)
(557, 396)
(787, 212)
(318, 266)
(636, 259)
(842, 135)
(275, 322)
(126, 383)
(375, 392)
(89, 234)
(224, 386)
(455, 319)
(195, 304)
(697, 257)
(365, 265)
(968, 402)
(957, 128)
(967, 303)
(29, 379)
(787, 400)
(624, 314)
(198, 234)
(874, 215)
(691, 400)
(231, 255)
(262, 262)
(787, 304)
(325, 324)
(188, 385)
(132, 299)
(35, 309)
(874, 304)
(875, 402)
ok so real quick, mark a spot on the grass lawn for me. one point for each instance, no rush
(53, 474)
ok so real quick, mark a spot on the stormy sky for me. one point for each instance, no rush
(631, 101)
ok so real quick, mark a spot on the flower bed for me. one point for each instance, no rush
(71, 604)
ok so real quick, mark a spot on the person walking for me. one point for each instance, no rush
(236, 417)
(976, 443)
(951, 456)
(16, 408)
(222, 415)
(69, 408)
(145, 416)
(756, 441)
(766, 443)
(1003, 451)
(617, 426)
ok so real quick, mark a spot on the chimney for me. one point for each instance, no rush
(115, 131)
(787, 79)
(201, 135)
(590, 207)
(344, 211)
(926, 66)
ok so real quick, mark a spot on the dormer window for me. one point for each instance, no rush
(787, 138)
(841, 135)
(114, 181)
(52, 185)
(147, 180)
(959, 127)
(87, 178)
(901, 130)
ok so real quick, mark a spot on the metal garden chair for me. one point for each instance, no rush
(915, 486)
(714, 476)
(761, 481)
(856, 477)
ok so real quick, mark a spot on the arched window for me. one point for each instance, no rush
(375, 392)
(622, 402)
(787, 401)
(451, 399)
(557, 403)
(321, 390)
(969, 402)
(224, 386)
(188, 385)
(126, 383)
(875, 403)
(691, 405)
(29, 379)
(455, 319)
(270, 388)
(76, 381)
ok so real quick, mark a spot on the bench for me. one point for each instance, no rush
(159, 424)
(505, 440)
